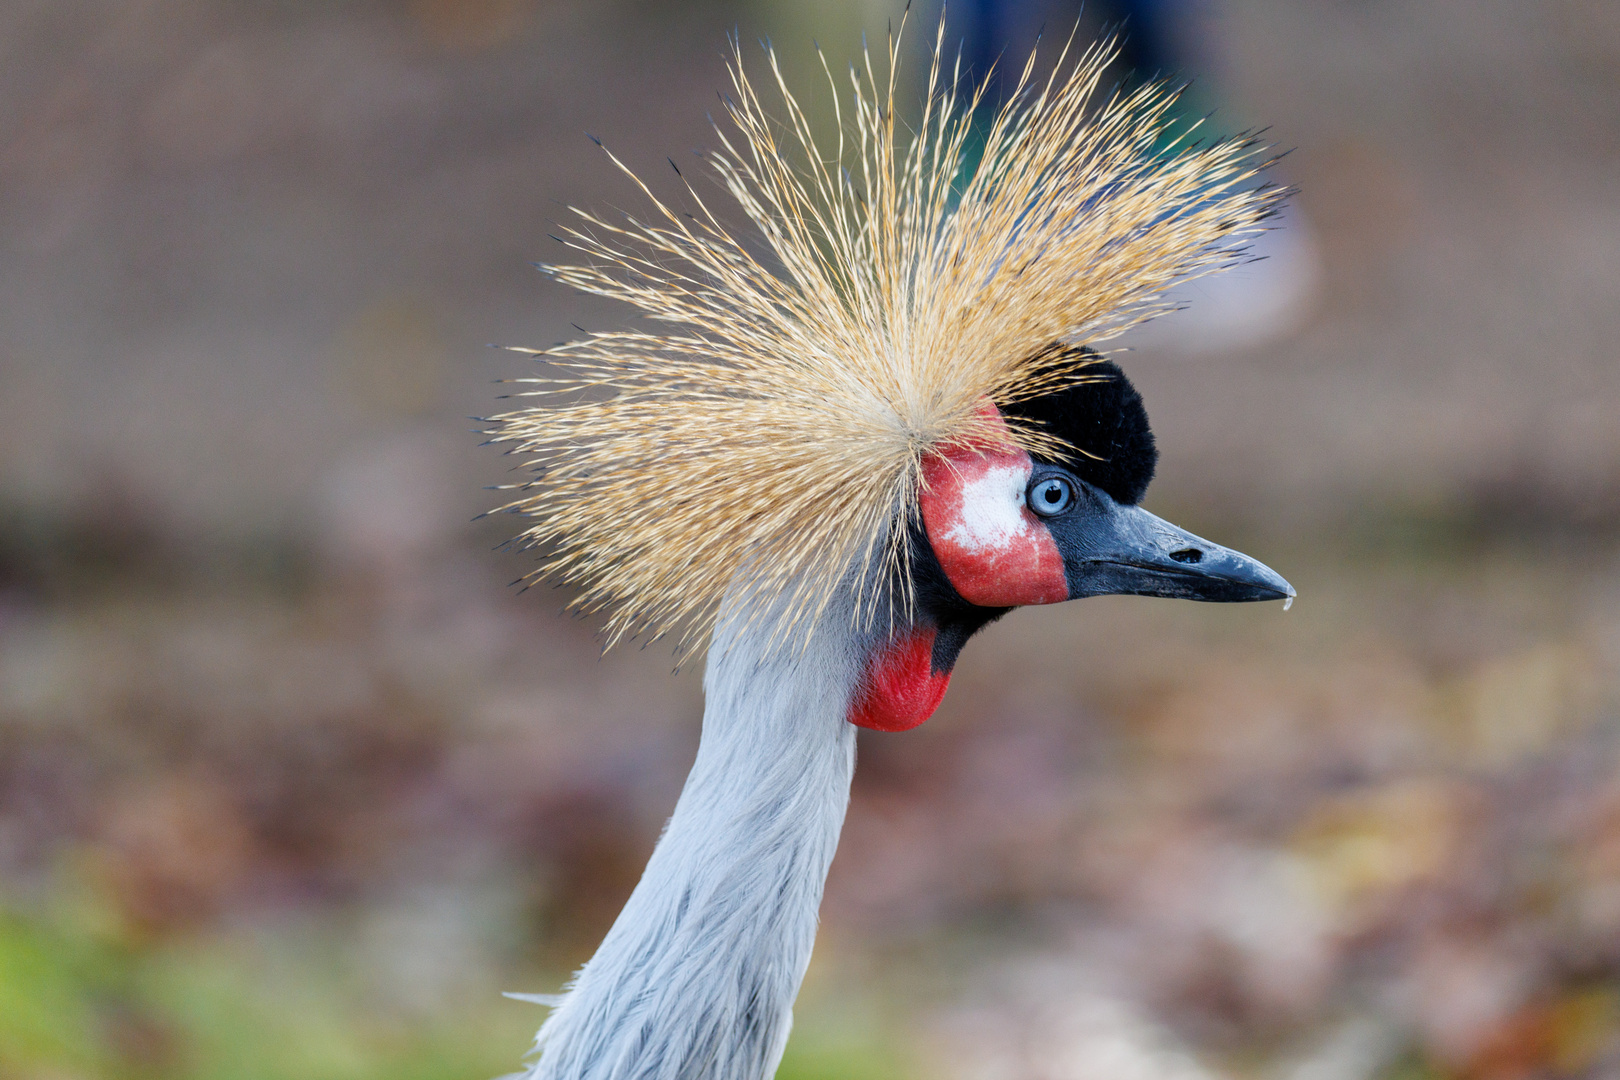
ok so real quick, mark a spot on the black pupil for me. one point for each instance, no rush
(1053, 492)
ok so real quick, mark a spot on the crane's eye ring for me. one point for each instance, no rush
(1050, 496)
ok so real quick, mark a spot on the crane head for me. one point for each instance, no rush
(856, 403)
(1000, 527)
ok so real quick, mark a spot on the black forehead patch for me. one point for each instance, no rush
(1101, 414)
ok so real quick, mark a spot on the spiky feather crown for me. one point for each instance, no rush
(779, 423)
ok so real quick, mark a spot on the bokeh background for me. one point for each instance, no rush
(293, 782)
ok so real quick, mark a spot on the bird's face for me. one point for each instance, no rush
(1000, 529)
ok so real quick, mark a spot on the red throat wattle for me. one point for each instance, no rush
(899, 688)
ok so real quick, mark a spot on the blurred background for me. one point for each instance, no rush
(293, 782)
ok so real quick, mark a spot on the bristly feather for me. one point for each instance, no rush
(780, 422)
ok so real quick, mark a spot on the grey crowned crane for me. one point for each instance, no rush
(868, 426)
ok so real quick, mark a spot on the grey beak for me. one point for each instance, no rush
(1125, 549)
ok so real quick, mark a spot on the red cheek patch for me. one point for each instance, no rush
(992, 548)
(899, 688)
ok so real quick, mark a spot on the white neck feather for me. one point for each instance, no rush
(696, 980)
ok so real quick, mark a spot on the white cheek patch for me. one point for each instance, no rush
(992, 509)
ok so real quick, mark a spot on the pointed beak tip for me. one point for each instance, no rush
(1270, 585)
(1280, 588)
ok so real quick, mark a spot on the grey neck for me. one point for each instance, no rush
(696, 979)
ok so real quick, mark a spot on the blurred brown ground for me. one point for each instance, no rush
(263, 683)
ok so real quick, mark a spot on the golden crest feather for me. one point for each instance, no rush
(780, 421)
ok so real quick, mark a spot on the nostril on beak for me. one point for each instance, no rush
(1187, 555)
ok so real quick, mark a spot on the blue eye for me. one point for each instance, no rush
(1050, 496)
